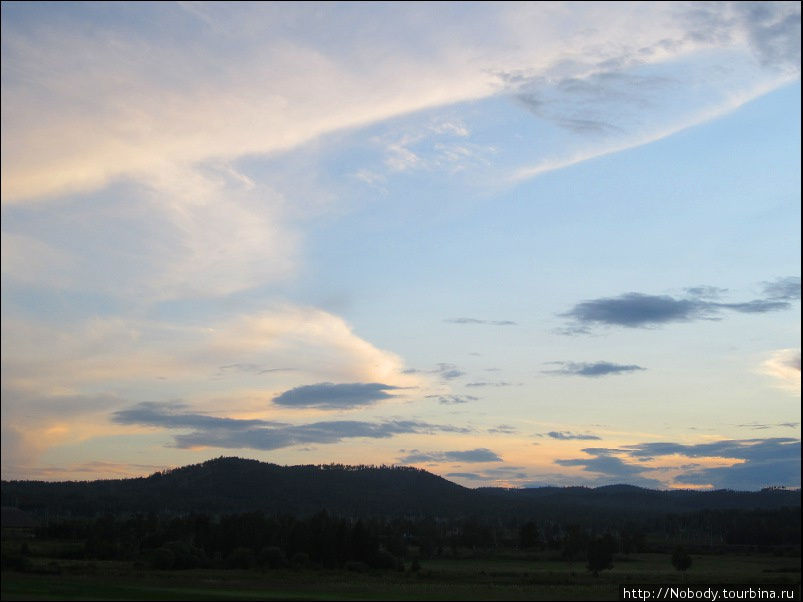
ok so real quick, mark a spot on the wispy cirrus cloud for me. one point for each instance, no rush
(479, 321)
(592, 369)
(569, 436)
(262, 104)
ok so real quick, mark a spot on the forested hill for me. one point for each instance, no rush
(230, 485)
(226, 485)
(574, 504)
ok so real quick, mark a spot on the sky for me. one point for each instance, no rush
(513, 244)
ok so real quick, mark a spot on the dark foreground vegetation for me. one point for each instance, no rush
(98, 540)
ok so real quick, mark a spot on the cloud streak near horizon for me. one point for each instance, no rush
(750, 463)
(471, 455)
(569, 436)
(478, 321)
(210, 431)
(592, 369)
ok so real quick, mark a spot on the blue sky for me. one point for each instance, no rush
(514, 244)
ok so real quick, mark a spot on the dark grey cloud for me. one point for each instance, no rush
(471, 476)
(477, 321)
(748, 476)
(334, 396)
(213, 431)
(760, 427)
(706, 292)
(774, 32)
(499, 473)
(492, 474)
(481, 454)
(506, 471)
(774, 461)
(757, 306)
(567, 435)
(449, 371)
(764, 462)
(579, 124)
(592, 369)
(610, 469)
(444, 370)
(609, 465)
(743, 449)
(772, 28)
(452, 399)
(503, 429)
(490, 384)
(783, 288)
(638, 310)
(590, 105)
(175, 415)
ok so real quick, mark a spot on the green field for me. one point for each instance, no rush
(509, 576)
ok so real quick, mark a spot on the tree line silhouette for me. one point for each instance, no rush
(255, 540)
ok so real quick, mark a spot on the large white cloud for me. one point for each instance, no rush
(310, 345)
(784, 366)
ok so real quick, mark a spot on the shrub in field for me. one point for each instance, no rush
(384, 560)
(186, 556)
(272, 557)
(600, 554)
(356, 566)
(241, 558)
(161, 558)
(681, 560)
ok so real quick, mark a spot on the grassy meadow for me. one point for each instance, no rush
(510, 575)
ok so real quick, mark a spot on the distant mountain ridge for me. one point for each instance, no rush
(229, 485)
